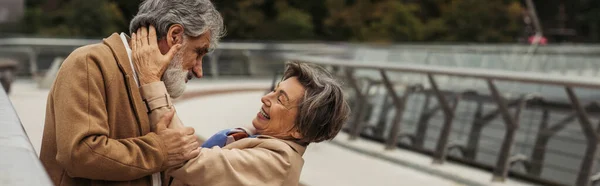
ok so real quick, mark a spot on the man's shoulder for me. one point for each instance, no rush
(89, 54)
(100, 48)
(97, 58)
(97, 49)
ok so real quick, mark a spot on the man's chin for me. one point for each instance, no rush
(176, 91)
(175, 82)
(176, 94)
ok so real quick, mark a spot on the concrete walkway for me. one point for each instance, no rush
(212, 105)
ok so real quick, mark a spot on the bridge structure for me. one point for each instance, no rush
(521, 118)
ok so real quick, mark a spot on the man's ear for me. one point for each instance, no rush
(175, 35)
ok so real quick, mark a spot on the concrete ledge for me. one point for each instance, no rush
(452, 171)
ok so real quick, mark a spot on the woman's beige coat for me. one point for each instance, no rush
(263, 160)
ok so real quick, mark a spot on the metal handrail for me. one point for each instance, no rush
(506, 155)
(502, 75)
(64, 42)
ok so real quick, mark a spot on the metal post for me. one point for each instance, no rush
(360, 106)
(214, 66)
(423, 123)
(512, 124)
(475, 133)
(33, 68)
(539, 150)
(381, 122)
(480, 122)
(542, 139)
(274, 82)
(399, 103)
(591, 135)
(441, 148)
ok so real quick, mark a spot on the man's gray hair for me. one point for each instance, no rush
(323, 110)
(196, 17)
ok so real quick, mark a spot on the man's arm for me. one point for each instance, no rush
(151, 64)
(159, 102)
(83, 146)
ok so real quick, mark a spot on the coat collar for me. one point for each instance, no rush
(115, 43)
(297, 147)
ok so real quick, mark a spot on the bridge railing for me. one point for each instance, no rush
(393, 99)
(549, 136)
(19, 164)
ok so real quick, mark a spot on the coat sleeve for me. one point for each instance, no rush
(83, 147)
(250, 166)
(159, 102)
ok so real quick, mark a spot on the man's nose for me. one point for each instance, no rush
(198, 69)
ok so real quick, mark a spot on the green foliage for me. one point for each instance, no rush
(480, 21)
(381, 21)
(265, 20)
(75, 18)
(292, 23)
(243, 18)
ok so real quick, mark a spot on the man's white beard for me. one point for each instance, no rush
(174, 77)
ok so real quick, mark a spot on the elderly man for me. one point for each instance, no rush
(101, 118)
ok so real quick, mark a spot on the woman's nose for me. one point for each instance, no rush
(266, 99)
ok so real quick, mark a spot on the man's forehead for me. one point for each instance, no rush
(201, 41)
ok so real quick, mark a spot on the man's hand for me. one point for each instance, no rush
(150, 63)
(181, 144)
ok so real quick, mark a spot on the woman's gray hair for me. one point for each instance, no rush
(323, 110)
(196, 17)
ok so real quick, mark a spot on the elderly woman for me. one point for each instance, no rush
(307, 106)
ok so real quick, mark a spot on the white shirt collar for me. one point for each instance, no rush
(128, 49)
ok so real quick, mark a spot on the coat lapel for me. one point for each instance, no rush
(116, 45)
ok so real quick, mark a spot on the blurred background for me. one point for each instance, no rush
(426, 80)
(373, 21)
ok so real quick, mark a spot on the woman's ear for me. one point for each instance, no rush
(175, 35)
(297, 135)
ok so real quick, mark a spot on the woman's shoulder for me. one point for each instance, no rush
(279, 145)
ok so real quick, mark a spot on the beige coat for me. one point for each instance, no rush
(261, 161)
(97, 130)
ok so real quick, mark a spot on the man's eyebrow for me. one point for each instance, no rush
(285, 94)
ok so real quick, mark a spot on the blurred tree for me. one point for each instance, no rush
(333, 20)
(74, 18)
(589, 20)
(289, 24)
(265, 20)
(128, 9)
(318, 12)
(376, 21)
(243, 18)
(476, 21)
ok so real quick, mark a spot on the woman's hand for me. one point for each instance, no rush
(150, 63)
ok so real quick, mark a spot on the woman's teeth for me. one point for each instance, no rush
(264, 113)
